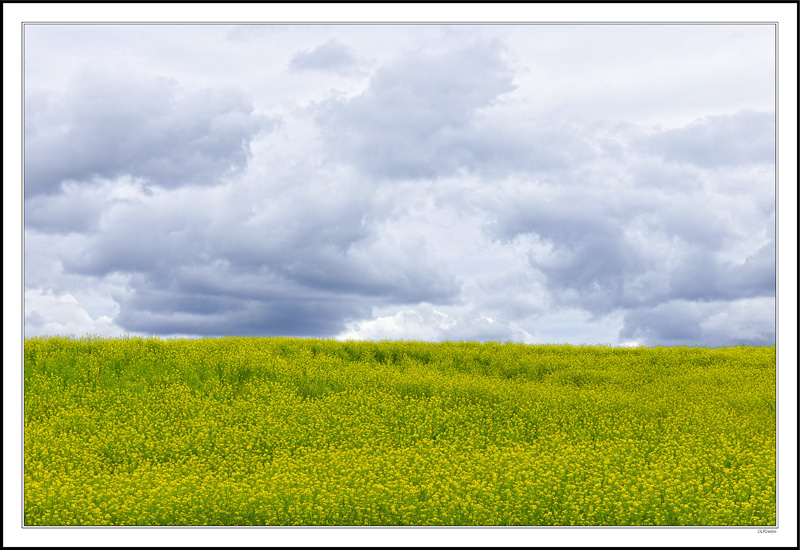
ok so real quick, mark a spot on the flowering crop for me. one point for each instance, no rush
(284, 431)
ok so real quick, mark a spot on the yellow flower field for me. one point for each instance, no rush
(286, 431)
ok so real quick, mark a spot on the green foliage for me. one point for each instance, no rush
(285, 431)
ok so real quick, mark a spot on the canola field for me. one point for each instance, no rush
(283, 431)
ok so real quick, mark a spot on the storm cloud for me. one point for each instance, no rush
(108, 125)
(402, 182)
(209, 261)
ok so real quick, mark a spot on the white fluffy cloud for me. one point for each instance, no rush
(48, 313)
(429, 324)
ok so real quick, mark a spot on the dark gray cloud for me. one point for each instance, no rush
(332, 56)
(711, 324)
(108, 125)
(673, 323)
(699, 276)
(245, 262)
(280, 308)
(79, 213)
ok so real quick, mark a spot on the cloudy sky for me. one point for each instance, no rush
(584, 184)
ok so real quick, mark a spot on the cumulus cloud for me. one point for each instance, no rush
(108, 124)
(610, 238)
(438, 198)
(227, 260)
(50, 313)
(410, 121)
(430, 324)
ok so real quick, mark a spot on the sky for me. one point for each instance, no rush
(539, 183)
